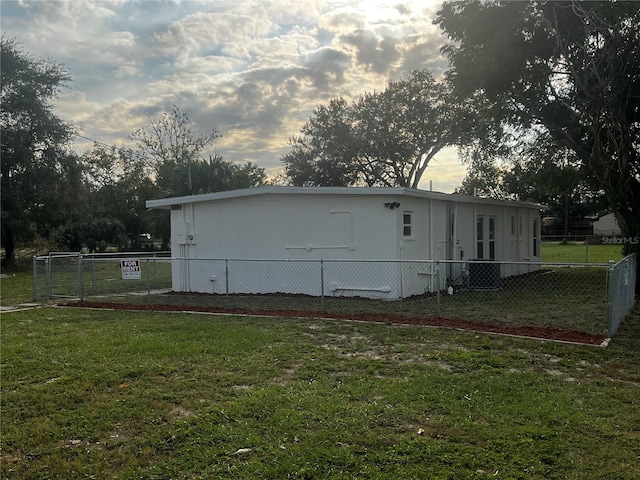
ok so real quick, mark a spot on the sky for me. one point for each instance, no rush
(254, 70)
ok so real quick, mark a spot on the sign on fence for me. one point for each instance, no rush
(130, 269)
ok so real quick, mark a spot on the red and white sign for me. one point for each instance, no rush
(130, 269)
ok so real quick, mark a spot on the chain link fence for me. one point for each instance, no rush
(622, 280)
(591, 298)
(61, 275)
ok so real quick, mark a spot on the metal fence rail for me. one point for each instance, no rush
(592, 298)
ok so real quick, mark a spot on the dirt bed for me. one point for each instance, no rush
(547, 333)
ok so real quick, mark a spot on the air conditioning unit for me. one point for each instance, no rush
(484, 274)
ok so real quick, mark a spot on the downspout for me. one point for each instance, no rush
(474, 236)
(456, 244)
(431, 286)
(455, 247)
(518, 233)
(431, 229)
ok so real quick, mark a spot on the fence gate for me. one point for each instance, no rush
(57, 275)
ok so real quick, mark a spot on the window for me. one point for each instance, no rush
(486, 237)
(492, 238)
(520, 227)
(407, 224)
(535, 238)
(480, 237)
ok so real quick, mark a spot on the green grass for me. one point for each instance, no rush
(579, 253)
(113, 394)
(16, 288)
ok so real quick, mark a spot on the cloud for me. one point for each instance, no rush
(328, 60)
(204, 32)
(341, 20)
(253, 69)
(375, 53)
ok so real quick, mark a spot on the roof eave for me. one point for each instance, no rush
(166, 203)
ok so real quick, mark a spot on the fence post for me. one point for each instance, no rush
(586, 243)
(322, 284)
(93, 273)
(226, 276)
(149, 281)
(633, 280)
(80, 280)
(611, 290)
(34, 281)
(155, 263)
(47, 275)
(438, 288)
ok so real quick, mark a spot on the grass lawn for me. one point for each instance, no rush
(129, 395)
(16, 288)
(579, 253)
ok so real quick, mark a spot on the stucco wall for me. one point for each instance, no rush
(285, 227)
(345, 227)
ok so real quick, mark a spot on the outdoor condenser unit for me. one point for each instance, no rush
(484, 274)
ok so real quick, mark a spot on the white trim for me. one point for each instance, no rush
(362, 191)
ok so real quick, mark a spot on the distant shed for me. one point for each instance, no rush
(606, 225)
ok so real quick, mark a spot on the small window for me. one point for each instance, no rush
(535, 238)
(407, 224)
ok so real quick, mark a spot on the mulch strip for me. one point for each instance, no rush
(545, 333)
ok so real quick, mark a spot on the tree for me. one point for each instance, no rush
(118, 189)
(383, 138)
(326, 150)
(38, 173)
(175, 156)
(216, 174)
(170, 141)
(568, 69)
(486, 178)
(536, 171)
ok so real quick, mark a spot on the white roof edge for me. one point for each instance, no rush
(269, 189)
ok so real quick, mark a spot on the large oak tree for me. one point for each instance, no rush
(382, 138)
(568, 69)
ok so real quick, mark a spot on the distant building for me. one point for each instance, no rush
(606, 225)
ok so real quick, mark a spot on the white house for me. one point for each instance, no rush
(606, 225)
(360, 233)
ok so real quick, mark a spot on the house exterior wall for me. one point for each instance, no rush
(291, 231)
(606, 225)
(282, 227)
(279, 227)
